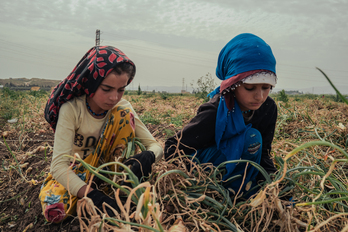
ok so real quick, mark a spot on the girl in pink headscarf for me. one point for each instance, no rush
(90, 117)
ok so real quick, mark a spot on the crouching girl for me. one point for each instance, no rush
(239, 121)
(90, 117)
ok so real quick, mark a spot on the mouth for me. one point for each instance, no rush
(256, 104)
(110, 105)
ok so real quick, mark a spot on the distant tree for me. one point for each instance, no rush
(206, 84)
(282, 96)
(139, 90)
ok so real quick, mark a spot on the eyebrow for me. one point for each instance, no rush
(108, 86)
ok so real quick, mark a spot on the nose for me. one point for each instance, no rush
(258, 94)
(114, 97)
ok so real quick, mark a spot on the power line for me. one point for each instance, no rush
(28, 60)
(298, 66)
(97, 37)
(292, 74)
(31, 52)
(165, 52)
(205, 59)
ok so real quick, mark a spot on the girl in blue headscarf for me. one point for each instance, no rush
(239, 121)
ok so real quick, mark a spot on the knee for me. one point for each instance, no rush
(124, 115)
(253, 142)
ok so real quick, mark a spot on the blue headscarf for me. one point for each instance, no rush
(245, 52)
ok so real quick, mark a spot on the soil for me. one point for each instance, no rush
(19, 203)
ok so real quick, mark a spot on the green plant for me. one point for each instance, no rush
(149, 117)
(14, 95)
(134, 99)
(169, 133)
(38, 94)
(333, 86)
(164, 95)
(8, 108)
(17, 167)
(206, 84)
(178, 120)
(139, 90)
(283, 97)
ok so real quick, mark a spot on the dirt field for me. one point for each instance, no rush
(22, 209)
(19, 203)
(20, 206)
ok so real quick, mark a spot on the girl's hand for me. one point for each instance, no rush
(141, 164)
(82, 190)
(99, 198)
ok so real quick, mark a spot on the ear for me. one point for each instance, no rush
(229, 99)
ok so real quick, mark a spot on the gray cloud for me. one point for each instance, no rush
(173, 39)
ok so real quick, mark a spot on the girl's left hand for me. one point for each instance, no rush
(141, 164)
(99, 198)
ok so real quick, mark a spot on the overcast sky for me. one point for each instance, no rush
(174, 39)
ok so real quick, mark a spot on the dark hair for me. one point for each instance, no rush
(127, 68)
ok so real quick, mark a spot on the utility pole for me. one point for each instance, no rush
(183, 84)
(97, 37)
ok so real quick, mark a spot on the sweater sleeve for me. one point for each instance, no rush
(144, 134)
(197, 134)
(63, 145)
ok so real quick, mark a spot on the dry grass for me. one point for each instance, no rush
(315, 175)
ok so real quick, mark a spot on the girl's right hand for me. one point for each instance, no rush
(141, 164)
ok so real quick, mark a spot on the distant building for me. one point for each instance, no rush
(35, 88)
(1, 86)
(293, 92)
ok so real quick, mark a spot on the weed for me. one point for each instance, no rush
(164, 95)
(206, 84)
(41, 174)
(282, 96)
(149, 118)
(169, 133)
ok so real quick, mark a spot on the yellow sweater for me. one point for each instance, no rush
(78, 132)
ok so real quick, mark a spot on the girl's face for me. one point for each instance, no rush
(109, 92)
(251, 96)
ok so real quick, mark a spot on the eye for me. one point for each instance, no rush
(121, 90)
(249, 88)
(266, 87)
(106, 90)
